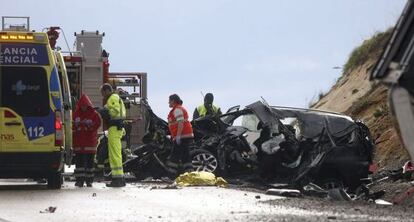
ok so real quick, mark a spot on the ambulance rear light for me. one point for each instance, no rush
(59, 136)
(8, 114)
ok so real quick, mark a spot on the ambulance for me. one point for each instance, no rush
(35, 108)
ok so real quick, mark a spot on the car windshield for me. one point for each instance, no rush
(250, 121)
(24, 90)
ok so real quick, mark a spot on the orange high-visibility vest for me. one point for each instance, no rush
(179, 114)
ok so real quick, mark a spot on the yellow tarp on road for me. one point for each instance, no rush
(200, 179)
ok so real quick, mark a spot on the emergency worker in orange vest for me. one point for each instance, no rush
(181, 135)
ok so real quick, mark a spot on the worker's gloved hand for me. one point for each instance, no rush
(77, 122)
(178, 140)
(104, 112)
(88, 122)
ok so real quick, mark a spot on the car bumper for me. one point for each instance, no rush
(30, 165)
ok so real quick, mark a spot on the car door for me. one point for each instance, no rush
(67, 107)
(25, 109)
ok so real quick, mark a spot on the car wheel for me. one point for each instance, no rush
(203, 160)
(55, 181)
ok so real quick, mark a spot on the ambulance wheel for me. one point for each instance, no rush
(55, 181)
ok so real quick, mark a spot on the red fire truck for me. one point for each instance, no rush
(88, 68)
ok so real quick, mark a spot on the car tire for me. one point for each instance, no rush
(204, 160)
(55, 181)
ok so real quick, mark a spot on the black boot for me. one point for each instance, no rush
(89, 182)
(79, 182)
(117, 182)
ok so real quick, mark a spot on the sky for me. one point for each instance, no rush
(239, 50)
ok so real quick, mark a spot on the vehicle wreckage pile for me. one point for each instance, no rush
(289, 151)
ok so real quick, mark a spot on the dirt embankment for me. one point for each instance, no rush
(355, 95)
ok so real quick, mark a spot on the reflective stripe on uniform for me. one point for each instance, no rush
(89, 148)
(80, 149)
(179, 115)
(89, 175)
(79, 174)
(185, 136)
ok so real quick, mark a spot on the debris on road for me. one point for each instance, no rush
(239, 212)
(167, 187)
(383, 202)
(406, 197)
(284, 192)
(314, 190)
(48, 210)
(331, 217)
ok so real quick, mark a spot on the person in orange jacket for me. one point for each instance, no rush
(86, 122)
(181, 134)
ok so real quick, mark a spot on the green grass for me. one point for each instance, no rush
(369, 49)
(380, 111)
(359, 106)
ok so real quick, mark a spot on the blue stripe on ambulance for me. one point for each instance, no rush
(55, 89)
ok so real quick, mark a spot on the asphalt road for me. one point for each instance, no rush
(148, 202)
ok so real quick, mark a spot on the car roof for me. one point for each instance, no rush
(322, 112)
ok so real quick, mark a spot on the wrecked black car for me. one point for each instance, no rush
(289, 145)
(278, 144)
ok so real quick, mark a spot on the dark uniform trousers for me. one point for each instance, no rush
(84, 167)
(181, 153)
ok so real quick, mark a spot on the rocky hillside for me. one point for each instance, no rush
(354, 95)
